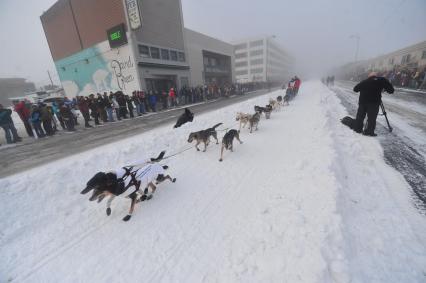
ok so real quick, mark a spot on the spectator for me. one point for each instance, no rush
(8, 126)
(55, 110)
(23, 110)
(83, 106)
(142, 99)
(68, 117)
(152, 101)
(35, 118)
(172, 95)
(94, 111)
(46, 119)
(136, 100)
(108, 107)
(129, 105)
(116, 107)
(122, 103)
(164, 99)
(100, 104)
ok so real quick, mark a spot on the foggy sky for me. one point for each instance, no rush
(316, 32)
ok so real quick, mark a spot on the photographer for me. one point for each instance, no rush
(369, 102)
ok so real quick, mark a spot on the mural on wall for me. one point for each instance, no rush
(98, 69)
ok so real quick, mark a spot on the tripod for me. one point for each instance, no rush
(384, 113)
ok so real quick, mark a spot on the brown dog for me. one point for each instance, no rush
(204, 136)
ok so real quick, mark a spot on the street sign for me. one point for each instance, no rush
(117, 36)
(133, 14)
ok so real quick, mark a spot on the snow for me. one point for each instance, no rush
(303, 199)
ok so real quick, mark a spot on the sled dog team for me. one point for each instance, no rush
(139, 182)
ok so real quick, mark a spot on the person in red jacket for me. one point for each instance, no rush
(83, 106)
(24, 113)
(172, 95)
(297, 83)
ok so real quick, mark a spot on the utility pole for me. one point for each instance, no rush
(51, 82)
(357, 37)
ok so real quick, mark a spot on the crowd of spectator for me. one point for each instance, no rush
(45, 119)
(401, 77)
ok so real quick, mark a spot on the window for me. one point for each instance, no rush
(213, 61)
(241, 55)
(391, 60)
(256, 62)
(181, 57)
(165, 54)
(256, 52)
(241, 64)
(424, 54)
(155, 52)
(241, 46)
(173, 55)
(256, 43)
(239, 73)
(144, 51)
(405, 59)
(256, 71)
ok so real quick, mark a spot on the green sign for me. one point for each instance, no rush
(117, 36)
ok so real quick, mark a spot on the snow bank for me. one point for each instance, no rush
(302, 200)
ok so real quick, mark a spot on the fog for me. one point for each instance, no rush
(316, 32)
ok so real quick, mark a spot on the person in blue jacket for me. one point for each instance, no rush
(8, 126)
(35, 120)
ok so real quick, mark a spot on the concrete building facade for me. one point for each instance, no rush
(410, 58)
(111, 45)
(211, 60)
(261, 60)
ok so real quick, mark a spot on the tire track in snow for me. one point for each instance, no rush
(399, 152)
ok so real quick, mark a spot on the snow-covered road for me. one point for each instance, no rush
(405, 147)
(304, 199)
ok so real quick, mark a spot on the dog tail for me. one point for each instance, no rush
(217, 125)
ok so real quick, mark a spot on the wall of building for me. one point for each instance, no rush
(196, 43)
(261, 59)
(162, 23)
(98, 69)
(73, 25)
(398, 59)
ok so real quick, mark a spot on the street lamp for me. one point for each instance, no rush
(357, 37)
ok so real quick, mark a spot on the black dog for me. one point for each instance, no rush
(204, 136)
(188, 116)
(227, 141)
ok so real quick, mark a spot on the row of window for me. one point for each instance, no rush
(252, 71)
(252, 53)
(160, 53)
(252, 62)
(251, 44)
(404, 60)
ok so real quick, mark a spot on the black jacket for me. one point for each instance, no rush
(5, 116)
(371, 89)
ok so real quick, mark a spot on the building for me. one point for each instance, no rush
(210, 60)
(261, 60)
(111, 45)
(14, 87)
(409, 58)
